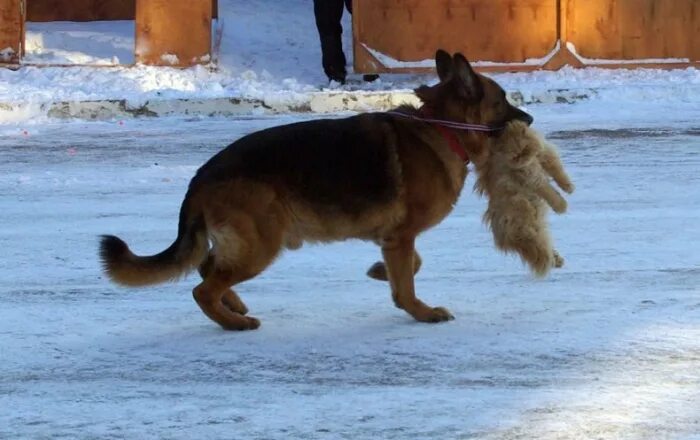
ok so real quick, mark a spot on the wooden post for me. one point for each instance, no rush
(11, 30)
(173, 32)
(563, 57)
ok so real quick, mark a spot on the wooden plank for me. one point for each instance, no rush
(678, 24)
(635, 29)
(505, 31)
(173, 32)
(11, 31)
(86, 10)
(592, 27)
(80, 10)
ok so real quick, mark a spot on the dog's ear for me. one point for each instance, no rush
(443, 64)
(470, 87)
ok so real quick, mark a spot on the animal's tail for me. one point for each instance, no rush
(186, 253)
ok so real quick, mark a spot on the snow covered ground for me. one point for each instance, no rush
(608, 347)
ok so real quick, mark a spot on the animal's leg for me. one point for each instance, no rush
(245, 246)
(230, 298)
(550, 162)
(552, 197)
(378, 270)
(398, 255)
(209, 296)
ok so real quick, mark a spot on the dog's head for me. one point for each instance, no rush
(465, 96)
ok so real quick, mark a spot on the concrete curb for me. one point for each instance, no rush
(316, 102)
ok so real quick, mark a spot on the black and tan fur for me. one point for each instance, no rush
(373, 176)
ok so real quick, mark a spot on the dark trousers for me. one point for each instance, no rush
(328, 15)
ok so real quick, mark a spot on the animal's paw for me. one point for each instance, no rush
(559, 205)
(434, 315)
(557, 260)
(249, 323)
(378, 271)
(568, 187)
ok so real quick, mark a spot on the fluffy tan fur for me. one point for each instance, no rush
(515, 175)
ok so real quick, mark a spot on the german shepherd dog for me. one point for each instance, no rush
(375, 176)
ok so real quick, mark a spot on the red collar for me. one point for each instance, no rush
(449, 136)
(453, 142)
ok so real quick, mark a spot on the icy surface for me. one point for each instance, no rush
(607, 347)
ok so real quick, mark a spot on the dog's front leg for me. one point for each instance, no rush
(398, 255)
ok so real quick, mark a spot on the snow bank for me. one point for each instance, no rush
(270, 57)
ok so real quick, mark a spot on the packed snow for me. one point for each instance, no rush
(607, 347)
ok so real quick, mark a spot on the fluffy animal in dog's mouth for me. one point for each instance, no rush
(515, 176)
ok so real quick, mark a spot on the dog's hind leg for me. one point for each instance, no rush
(244, 247)
(230, 298)
(209, 296)
(378, 270)
(398, 255)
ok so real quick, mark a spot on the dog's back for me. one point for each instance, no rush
(315, 162)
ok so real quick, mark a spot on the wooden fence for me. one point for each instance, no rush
(517, 35)
(168, 32)
(402, 35)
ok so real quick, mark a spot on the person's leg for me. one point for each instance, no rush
(368, 77)
(328, 15)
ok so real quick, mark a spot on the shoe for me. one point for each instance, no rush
(370, 77)
(339, 79)
(336, 74)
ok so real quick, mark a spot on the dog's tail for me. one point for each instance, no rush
(186, 253)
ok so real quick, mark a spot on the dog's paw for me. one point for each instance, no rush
(378, 271)
(249, 323)
(443, 314)
(434, 315)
